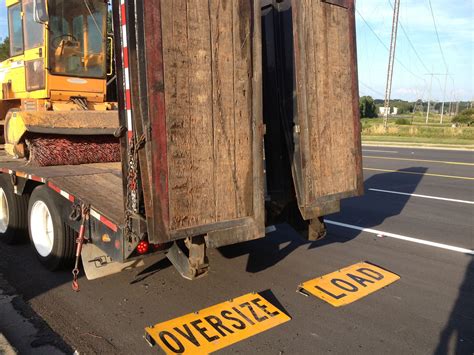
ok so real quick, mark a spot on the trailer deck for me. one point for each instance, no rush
(98, 185)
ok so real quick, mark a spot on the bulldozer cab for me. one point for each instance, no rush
(76, 32)
(57, 50)
(58, 66)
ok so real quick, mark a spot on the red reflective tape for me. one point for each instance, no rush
(123, 13)
(36, 178)
(108, 223)
(61, 192)
(128, 100)
(54, 187)
(125, 57)
(130, 136)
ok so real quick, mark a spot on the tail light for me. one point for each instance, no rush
(142, 247)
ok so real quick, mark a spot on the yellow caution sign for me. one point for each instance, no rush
(216, 327)
(349, 284)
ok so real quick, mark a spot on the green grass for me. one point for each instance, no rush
(415, 130)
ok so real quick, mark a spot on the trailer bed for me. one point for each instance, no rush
(98, 185)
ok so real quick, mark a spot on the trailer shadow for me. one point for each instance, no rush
(457, 336)
(151, 270)
(368, 211)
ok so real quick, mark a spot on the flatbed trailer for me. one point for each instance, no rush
(232, 118)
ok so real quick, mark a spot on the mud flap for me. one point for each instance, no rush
(98, 264)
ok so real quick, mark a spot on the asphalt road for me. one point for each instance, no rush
(430, 310)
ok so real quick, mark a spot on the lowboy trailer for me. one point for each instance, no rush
(233, 115)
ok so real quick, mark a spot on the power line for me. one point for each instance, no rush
(373, 90)
(410, 42)
(385, 46)
(437, 35)
(444, 59)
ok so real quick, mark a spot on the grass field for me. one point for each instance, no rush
(416, 130)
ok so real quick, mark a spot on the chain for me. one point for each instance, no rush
(81, 239)
(132, 205)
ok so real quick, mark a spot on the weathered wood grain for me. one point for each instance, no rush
(207, 56)
(324, 67)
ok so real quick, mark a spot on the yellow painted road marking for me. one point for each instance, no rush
(218, 326)
(425, 174)
(420, 160)
(349, 284)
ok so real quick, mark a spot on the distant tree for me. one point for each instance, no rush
(5, 49)
(367, 107)
(404, 107)
(465, 117)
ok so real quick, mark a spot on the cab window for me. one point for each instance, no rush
(33, 30)
(15, 30)
(77, 30)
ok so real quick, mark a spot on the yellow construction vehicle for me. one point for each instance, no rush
(55, 79)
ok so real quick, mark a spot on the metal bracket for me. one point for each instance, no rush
(194, 264)
(97, 263)
(317, 229)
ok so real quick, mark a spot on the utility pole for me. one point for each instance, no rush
(444, 97)
(391, 60)
(429, 99)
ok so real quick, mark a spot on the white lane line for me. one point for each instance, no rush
(424, 196)
(420, 160)
(402, 237)
(380, 151)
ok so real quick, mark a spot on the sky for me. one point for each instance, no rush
(455, 23)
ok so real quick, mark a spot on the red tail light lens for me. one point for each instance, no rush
(142, 247)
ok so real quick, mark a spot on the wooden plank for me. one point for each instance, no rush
(209, 97)
(242, 46)
(299, 159)
(157, 147)
(313, 144)
(201, 193)
(225, 178)
(61, 170)
(324, 69)
(102, 191)
(208, 63)
(176, 69)
(258, 206)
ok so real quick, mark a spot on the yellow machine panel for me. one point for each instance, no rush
(59, 69)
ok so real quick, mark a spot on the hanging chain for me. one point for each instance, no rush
(81, 239)
(132, 203)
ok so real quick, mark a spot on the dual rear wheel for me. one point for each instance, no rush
(38, 215)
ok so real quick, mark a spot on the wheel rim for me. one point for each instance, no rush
(4, 212)
(41, 226)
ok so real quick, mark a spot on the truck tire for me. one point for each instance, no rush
(13, 213)
(52, 239)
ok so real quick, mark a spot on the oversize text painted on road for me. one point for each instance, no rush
(218, 326)
(349, 284)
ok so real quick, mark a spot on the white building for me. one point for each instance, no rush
(393, 109)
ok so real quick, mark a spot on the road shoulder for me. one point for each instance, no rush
(22, 330)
